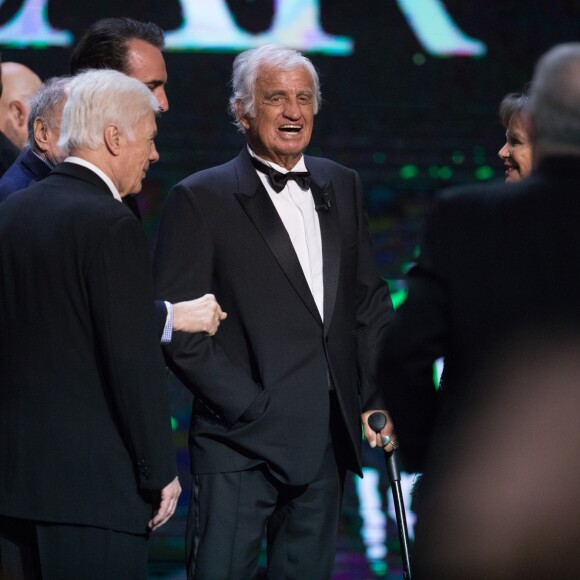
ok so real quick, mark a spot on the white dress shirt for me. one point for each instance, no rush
(296, 210)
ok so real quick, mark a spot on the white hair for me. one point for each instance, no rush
(245, 74)
(98, 98)
(555, 99)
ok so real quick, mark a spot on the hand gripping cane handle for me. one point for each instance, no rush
(376, 422)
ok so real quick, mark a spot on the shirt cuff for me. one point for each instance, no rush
(168, 328)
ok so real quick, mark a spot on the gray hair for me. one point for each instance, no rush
(245, 74)
(97, 98)
(46, 104)
(512, 106)
(555, 99)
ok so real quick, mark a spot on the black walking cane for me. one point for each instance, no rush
(376, 422)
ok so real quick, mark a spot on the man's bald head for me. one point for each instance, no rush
(19, 84)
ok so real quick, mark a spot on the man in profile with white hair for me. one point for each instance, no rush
(88, 467)
(37, 160)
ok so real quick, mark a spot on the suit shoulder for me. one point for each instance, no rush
(476, 195)
(209, 177)
(324, 164)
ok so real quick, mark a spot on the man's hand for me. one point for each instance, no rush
(167, 504)
(200, 315)
(373, 438)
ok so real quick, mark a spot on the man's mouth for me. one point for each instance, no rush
(290, 128)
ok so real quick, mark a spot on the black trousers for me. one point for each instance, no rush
(32, 550)
(229, 513)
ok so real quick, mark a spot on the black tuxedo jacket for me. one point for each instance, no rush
(8, 153)
(25, 171)
(261, 383)
(499, 263)
(85, 433)
(28, 169)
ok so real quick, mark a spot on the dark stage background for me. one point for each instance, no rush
(410, 89)
(408, 119)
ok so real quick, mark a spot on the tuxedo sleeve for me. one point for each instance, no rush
(373, 313)
(183, 268)
(121, 295)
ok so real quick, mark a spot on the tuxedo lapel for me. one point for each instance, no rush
(330, 233)
(255, 201)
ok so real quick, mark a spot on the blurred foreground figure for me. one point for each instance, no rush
(505, 503)
(498, 262)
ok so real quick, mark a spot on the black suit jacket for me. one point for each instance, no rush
(8, 153)
(85, 433)
(28, 169)
(499, 263)
(261, 384)
(25, 171)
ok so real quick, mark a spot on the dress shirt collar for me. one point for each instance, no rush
(99, 172)
(300, 166)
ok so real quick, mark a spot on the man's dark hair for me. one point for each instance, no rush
(104, 44)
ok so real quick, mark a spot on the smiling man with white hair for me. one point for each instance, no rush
(281, 238)
(88, 468)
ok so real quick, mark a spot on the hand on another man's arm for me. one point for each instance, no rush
(200, 315)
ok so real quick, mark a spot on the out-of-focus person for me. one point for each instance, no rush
(8, 151)
(37, 160)
(10, 121)
(497, 262)
(517, 153)
(88, 466)
(19, 85)
(504, 502)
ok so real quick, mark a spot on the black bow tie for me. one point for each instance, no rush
(278, 180)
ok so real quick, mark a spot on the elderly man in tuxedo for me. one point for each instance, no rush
(281, 238)
(88, 468)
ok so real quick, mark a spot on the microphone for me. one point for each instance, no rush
(325, 203)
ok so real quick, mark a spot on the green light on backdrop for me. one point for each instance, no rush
(419, 58)
(445, 172)
(479, 155)
(458, 157)
(398, 297)
(174, 424)
(484, 172)
(409, 171)
(379, 157)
